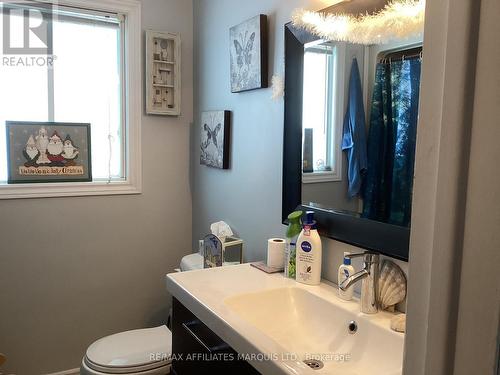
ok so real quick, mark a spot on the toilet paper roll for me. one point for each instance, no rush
(276, 252)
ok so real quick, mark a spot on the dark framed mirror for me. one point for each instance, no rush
(350, 127)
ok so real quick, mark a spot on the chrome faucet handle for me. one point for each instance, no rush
(368, 256)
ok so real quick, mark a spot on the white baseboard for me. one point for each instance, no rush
(74, 371)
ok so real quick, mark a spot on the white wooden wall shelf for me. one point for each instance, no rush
(163, 73)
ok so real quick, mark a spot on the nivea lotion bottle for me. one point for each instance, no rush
(345, 270)
(308, 249)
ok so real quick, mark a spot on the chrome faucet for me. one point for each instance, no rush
(369, 277)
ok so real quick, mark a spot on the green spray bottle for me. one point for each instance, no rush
(292, 232)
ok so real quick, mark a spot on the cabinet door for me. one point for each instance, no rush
(198, 350)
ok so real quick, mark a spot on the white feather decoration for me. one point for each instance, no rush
(278, 86)
(400, 19)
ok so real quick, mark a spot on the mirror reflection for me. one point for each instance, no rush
(359, 126)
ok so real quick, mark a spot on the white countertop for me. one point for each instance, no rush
(204, 292)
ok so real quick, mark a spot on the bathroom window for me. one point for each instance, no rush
(90, 75)
(320, 118)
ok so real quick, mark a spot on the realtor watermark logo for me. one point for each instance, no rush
(27, 33)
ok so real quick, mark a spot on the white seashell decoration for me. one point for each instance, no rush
(391, 285)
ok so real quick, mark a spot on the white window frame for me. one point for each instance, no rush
(132, 106)
(335, 124)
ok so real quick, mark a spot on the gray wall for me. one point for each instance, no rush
(248, 196)
(479, 299)
(440, 196)
(75, 269)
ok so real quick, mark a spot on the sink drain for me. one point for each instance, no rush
(352, 327)
(314, 364)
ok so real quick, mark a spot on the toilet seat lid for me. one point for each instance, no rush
(191, 262)
(136, 348)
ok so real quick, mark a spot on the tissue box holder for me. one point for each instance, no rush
(218, 253)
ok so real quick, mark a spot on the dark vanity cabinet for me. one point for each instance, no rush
(198, 350)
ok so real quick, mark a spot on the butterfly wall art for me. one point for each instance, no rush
(214, 140)
(248, 53)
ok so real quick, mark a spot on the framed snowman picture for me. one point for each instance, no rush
(40, 152)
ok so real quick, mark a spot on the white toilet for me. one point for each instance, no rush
(137, 352)
(141, 351)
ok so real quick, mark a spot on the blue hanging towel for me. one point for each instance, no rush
(354, 133)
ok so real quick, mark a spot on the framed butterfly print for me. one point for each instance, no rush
(248, 53)
(214, 140)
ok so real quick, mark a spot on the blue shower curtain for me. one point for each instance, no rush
(388, 184)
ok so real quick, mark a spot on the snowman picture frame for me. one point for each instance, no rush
(48, 152)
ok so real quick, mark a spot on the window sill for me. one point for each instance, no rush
(67, 189)
(315, 177)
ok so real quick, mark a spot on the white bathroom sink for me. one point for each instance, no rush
(288, 322)
(313, 328)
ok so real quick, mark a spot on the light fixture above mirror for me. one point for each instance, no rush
(399, 19)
